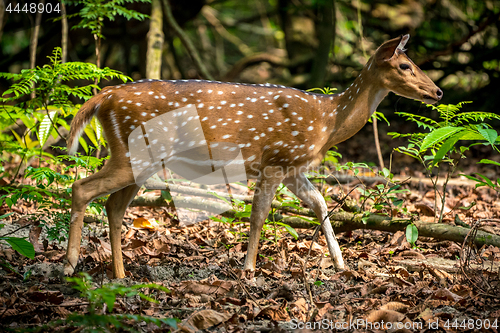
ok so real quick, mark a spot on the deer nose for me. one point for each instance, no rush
(439, 94)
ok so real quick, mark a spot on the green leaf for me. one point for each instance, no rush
(393, 188)
(27, 275)
(398, 202)
(109, 299)
(385, 173)
(438, 136)
(379, 116)
(472, 204)
(471, 177)
(488, 134)
(4, 216)
(84, 144)
(45, 127)
(421, 121)
(290, 203)
(166, 195)
(96, 125)
(483, 161)
(91, 135)
(411, 233)
(290, 230)
(220, 197)
(21, 245)
(446, 147)
(471, 135)
(222, 220)
(486, 180)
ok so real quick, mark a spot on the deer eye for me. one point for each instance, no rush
(404, 66)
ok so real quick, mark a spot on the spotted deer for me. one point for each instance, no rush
(276, 128)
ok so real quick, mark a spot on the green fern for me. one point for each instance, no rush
(453, 126)
(467, 117)
(53, 92)
(325, 90)
(448, 111)
(454, 132)
(94, 12)
(421, 121)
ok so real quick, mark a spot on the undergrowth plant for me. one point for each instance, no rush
(482, 180)
(448, 139)
(381, 197)
(50, 195)
(21, 245)
(272, 222)
(54, 84)
(101, 303)
(94, 12)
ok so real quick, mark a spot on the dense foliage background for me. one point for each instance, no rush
(301, 43)
(51, 63)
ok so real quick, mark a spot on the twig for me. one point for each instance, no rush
(377, 143)
(242, 286)
(185, 40)
(454, 47)
(14, 231)
(209, 13)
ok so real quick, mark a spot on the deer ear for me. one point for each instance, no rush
(389, 48)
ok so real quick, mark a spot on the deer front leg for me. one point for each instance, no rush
(308, 193)
(115, 208)
(262, 199)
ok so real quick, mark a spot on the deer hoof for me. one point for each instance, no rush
(68, 270)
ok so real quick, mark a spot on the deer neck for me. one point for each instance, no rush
(351, 109)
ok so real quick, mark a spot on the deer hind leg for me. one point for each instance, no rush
(115, 208)
(111, 178)
(308, 193)
(262, 199)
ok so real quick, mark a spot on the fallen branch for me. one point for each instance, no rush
(200, 203)
(341, 221)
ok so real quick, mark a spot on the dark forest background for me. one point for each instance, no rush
(299, 43)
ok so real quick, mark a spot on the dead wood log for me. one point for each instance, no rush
(341, 221)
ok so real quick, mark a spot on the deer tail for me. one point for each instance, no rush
(81, 120)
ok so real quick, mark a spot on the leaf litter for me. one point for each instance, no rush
(439, 285)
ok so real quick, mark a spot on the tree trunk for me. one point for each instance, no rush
(2, 15)
(34, 43)
(286, 25)
(155, 42)
(64, 34)
(325, 30)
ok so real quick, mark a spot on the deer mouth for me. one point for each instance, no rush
(429, 99)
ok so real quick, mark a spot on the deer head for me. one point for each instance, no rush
(401, 75)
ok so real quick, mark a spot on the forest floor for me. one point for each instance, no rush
(440, 285)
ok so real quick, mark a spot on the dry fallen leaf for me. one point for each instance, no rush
(142, 223)
(202, 320)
